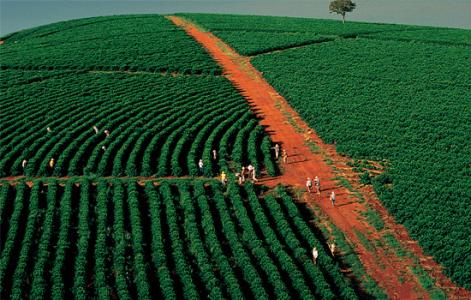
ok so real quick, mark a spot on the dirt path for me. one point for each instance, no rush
(393, 273)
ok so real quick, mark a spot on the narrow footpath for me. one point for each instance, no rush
(392, 272)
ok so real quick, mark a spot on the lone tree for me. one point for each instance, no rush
(342, 7)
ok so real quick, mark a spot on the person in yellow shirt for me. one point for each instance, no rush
(223, 177)
(52, 162)
(332, 249)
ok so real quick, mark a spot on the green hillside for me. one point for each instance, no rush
(148, 43)
(252, 35)
(393, 93)
(71, 76)
(131, 96)
(167, 240)
(158, 125)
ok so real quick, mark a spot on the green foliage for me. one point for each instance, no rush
(253, 35)
(158, 125)
(341, 7)
(443, 36)
(409, 107)
(373, 218)
(365, 178)
(198, 239)
(139, 43)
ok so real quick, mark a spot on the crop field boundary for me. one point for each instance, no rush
(139, 180)
(108, 70)
(391, 270)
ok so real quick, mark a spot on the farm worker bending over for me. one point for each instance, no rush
(215, 155)
(308, 184)
(284, 156)
(223, 178)
(23, 163)
(52, 162)
(251, 170)
(49, 129)
(239, 178)
(317, 184)
(103, 148)
(332, 198)
(253, 175)
(242, 174)
(277, 150)
(315, 254)
(332, 249)
(200, 166)
(107, 133)
(96, 129)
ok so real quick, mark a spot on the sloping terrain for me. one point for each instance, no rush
(393, 98)
(121, 43)
(128, 96)
(167, 240)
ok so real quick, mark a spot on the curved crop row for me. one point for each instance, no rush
(155, 126)
(171, 239)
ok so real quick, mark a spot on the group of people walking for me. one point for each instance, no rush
(317, 185)
(317, 188)
(284, 154)
(246, 172)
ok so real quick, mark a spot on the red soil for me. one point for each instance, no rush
(391, 272)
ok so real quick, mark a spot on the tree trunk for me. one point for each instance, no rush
(343, 18)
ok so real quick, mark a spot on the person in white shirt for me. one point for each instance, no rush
(215, 155)
(308, 184)
(200, 166)
(277, 151)
(251, 169)
(315, 254)
(332, 249)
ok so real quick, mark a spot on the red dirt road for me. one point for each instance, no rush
(392, 273)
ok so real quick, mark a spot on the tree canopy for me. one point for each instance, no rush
(341, 7)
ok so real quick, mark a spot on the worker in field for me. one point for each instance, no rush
(239, 178)
(315, 254)
(332, 249)
(332, 198)
(103, 148)
(250, 168)
(254, 172)
(317, 184)
(277, 150)
(23, 163)
(96, 129)
(242, 174)
(52, 163)
(215, 154)
(284, 156)
(223, 178)
(308, 184)
(201, 166)
(107, 133)
(49, 129)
